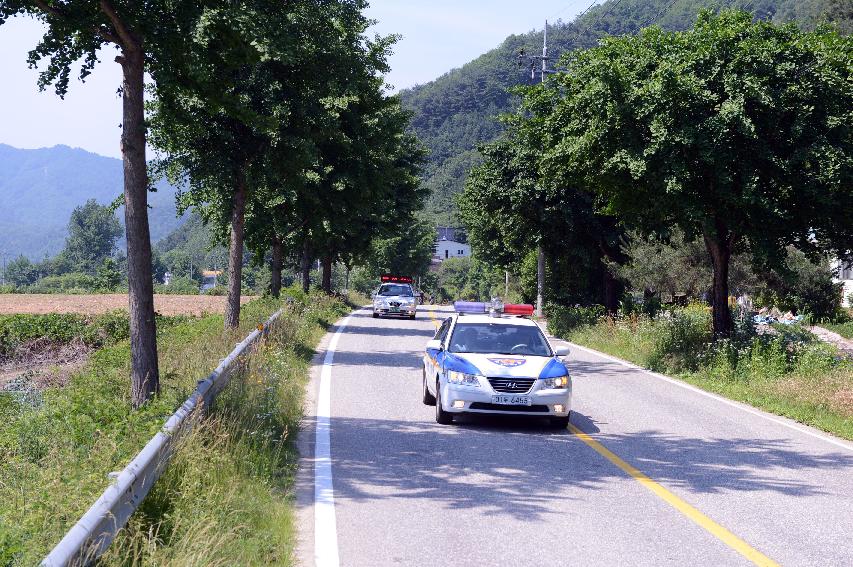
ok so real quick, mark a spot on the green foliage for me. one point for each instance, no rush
(73, 282)
(108, 277)
(802, 285)
(457, 112)
(469, 279)
(408, 252)
(562, 320)
(92, 234)
(712, 130)
(61, 328)
(178, 286)
(21, 272)
(54, 458)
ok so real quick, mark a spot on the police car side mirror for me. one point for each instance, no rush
(434, 344)
(561, 351)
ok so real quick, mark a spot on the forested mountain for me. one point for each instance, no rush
(457, 111)
(39, 189)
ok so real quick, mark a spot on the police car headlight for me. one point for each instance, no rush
(462, 379)
(557, 383)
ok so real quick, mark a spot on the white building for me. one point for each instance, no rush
(449, 245)
(845, 276)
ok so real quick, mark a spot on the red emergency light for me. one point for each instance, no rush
(388, 278)
(518, 309)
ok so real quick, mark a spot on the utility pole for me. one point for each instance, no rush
(540, 254)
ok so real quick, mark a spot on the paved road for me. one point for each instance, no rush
(648, 473)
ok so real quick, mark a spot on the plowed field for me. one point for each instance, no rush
(93, 304)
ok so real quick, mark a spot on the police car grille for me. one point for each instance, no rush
(512, 385)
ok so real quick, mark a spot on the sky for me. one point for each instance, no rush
(437, 36)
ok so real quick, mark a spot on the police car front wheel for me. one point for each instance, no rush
(428, 398)
(441, 416)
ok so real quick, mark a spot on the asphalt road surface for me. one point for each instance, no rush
(649, 472)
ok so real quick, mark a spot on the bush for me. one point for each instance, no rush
(178, 286)
(218, 290)
(562, 320)
(681, 335)
(73, 282)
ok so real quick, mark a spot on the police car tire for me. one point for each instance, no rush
(411, 316)
(375, 315)
(441, 416)
(428, 398)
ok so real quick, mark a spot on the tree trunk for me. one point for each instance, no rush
(235, 254)
(144, 373)
(720, 251)
(275, 267)
(327, 274)
(306, 266)
(611, 292)
(540, 280)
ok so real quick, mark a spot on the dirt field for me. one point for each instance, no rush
(93, 304)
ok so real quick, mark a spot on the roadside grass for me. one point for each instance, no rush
(843, 329)
(788, 372)
(225, 498)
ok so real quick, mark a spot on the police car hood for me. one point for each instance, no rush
(513, 366)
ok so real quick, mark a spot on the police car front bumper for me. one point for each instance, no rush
(403, 310)
(483, 399)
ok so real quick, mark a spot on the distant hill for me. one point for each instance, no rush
(39, 189)
(456, 112)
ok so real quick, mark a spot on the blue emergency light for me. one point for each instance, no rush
(470, 307)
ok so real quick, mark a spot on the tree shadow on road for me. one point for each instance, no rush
(517, 467)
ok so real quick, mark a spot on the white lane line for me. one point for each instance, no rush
(325, 525)
(720, 399)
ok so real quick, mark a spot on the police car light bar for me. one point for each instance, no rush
(495, 307)
(388, 278)
(518, 309)
(470, 307)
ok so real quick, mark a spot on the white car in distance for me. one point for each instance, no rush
(397, 299)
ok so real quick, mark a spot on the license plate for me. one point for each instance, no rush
(511, 400)
(395, 309)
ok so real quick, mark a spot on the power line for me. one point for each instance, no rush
(602, 14)
(563, 10)
(657, 16)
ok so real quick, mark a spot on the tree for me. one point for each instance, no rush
(735, 131)
(149, 37)
(509, 208)
(92, 234)
(21, 272)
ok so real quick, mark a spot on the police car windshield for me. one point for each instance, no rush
(388, 290)
(498, 338)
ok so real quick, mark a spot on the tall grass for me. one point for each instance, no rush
(786, 371)
(223, 499)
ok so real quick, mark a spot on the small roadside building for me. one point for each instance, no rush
(451, 243)
(845, 277)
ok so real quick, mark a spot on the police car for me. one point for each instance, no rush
(489, 358)
(395, 296)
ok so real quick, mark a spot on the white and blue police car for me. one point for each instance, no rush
(489, 358)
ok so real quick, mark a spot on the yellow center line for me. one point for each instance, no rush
(432, 316)
(686, 509)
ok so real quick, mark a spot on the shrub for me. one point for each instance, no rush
(562, 320)
(681, 336)
(73, 282)
(178, 286)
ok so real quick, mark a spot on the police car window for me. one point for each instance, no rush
(497, 338)
(388, 290)
(442, 331)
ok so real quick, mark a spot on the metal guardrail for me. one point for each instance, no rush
(94, 532)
